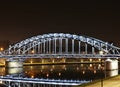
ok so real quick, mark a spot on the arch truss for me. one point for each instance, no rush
(60, 43)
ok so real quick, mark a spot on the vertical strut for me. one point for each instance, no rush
(55, 45)
(79, 47)
(44, 46)
(85, 48)
(49, 46)
(60, 45)
(73, 46)
(66, 46)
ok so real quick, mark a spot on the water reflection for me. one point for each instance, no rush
(111, 73)
(74, 72)
(14, 70)
(80, 72)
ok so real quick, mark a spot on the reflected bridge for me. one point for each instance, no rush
(20, 81)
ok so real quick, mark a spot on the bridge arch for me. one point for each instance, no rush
(60, 43)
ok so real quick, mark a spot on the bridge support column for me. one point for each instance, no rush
(111, 64)
(14, 63)
(111, 67)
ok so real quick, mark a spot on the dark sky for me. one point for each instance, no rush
(20, 20)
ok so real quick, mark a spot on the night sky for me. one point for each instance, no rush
(20, 20)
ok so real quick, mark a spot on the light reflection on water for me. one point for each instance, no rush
(82, 72)
(74, 72)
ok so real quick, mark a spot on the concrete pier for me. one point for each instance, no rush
(111, 64)
(14, 63)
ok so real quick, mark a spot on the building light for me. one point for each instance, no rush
(1, 49)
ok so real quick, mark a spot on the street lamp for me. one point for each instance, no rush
(1, 48)
(101, 53)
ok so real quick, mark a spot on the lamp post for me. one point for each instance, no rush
(101, 53)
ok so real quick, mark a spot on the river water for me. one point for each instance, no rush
(77, 72)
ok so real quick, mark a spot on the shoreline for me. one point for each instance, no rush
(107, 82)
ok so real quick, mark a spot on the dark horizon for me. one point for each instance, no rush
(22, 20)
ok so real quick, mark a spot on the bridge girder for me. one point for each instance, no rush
(29, 43)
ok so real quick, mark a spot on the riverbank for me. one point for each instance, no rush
(108, 82)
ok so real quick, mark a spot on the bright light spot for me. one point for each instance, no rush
(47, 75)
(90, 60)
(59, 74)
(1, 49)
(94, 71)
(101, 52)
(1, 82)
(83, 72)
(99, 59)
(32, 76)
(91, 65)
(32, 51)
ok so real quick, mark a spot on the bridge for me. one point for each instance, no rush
(59, 45)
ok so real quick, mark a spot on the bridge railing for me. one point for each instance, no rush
(62, 56)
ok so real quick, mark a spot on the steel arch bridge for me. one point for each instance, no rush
(61, 45)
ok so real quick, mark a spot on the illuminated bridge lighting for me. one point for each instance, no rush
(60, 45)
(43, 81)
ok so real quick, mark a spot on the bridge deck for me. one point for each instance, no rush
(62, 56)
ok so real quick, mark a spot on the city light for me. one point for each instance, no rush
(84, 63)
(101, 52)
(1, 81)
(32, 51)
(1, 48)
(59, 74)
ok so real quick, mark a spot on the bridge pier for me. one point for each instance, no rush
(111, 64)
(12, 63)
(111, 67)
